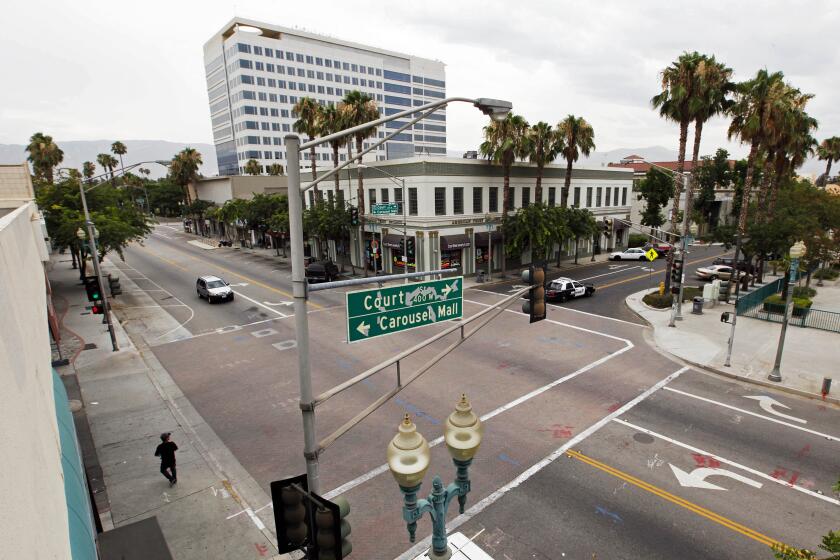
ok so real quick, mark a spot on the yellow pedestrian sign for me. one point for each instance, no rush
(651, 254)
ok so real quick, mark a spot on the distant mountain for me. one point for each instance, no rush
(78, 151)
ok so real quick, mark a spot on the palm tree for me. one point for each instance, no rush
(829, 150)
(119, 149)
(542, 147)
(44, 154)
(275, 169)
(184, 170)
(308, 110)
(253, 167)
(358, 108)
(793, 143)
(332, 120)
(576, 137)
(503, 143)
(88, 170)
(108, 163)
(755, 114)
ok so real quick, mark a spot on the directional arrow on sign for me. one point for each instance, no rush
(363, 328)
(446, 289)
(697, 478)
(766, 403)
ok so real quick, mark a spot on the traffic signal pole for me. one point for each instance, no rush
(95, 258)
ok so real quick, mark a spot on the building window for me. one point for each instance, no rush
(440, 201)
(371, 198)
(526, 196)
(624, 196)
(607, 197)
(412, 201)
(458, 200)
(478, 200)
(589, 197)
(494, 199)
(615, 196)
(577, 197)
(385, 195)
(552, 196)
(399, 200)
(598, 197)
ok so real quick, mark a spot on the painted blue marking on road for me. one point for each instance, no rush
(504, 457)
(607, 513)
(411, 409)
(239, 338)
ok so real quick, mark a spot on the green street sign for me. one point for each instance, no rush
(380, 311)
(385, 208)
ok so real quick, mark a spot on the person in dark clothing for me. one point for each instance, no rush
(166, 452)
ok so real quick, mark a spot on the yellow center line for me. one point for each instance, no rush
(699, 510)
(631, 279)
(164, 259)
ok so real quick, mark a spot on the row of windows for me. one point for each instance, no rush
(303, 73)
(434, 116)
(248, 94)
(307, 59)
(525, 198)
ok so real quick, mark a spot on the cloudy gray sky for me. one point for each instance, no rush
(86, 70)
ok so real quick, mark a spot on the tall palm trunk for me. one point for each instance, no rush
(360, 193)
(564, 194)
(767, 178)
(312, 157)
(677, 191)
(827, 169)
(335, 164)
(689, 191)
(538, 189)
(745, 195)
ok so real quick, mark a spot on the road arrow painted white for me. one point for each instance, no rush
(240, 285)
(617, 266)
(766, 403)
(697, 478)
(363, 328)
(279, 303)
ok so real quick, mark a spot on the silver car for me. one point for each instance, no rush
(213, 288)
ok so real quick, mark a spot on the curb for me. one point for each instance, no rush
(714, 371)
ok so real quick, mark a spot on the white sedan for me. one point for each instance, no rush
(633, 254)
(716, 271)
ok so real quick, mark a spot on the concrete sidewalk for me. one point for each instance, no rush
(129, 400)
(809, 354)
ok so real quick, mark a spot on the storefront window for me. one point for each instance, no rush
(397, 254)
(450, 259)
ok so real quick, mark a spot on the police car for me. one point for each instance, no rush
(562, 289)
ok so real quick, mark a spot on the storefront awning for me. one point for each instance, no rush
(452, 242)
(392, 241)
(482, 236)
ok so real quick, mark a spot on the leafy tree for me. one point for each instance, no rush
(712, 173)
(184, 169)
(234, 213)
(253, 167)
(326, 220)
(829, 150)
(308, 112)
(536, 226)
(541, 146)
(260, 209)
(197, 210)
(582, 224)
(88, 170)
(279, 222)
(45, 155)
(275, 169)
(165, 197)
(575, 137)
(656, 189)
(503, 143)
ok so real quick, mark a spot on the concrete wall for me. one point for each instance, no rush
(33, 518)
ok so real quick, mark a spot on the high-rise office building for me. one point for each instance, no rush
(257, 72)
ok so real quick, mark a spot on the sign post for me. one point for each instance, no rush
(385, 208)
(380, 311)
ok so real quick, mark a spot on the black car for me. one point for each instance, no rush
(321, 271)
(563, 289)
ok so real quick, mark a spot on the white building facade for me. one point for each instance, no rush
(453, 211)
(256, 72)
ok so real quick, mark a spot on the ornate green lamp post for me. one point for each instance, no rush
(796, 252)
(408, 460)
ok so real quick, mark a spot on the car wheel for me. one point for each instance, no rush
(563, 298)
(642, 258)
(589, 293)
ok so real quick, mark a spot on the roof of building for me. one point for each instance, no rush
(15, 185)
(644, 166)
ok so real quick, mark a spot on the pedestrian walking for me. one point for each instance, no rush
(166, 451)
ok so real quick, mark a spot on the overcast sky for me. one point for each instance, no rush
(85, 70)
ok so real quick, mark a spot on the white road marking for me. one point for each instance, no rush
(606, 274)
(285, 344)
(697, 478)
(263, 333)
(494, 496)
(770, 418)
(286, 303)
(766, 403)
(727, 461)
(240, 294)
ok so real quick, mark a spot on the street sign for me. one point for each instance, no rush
(651, 254)
(380, 311)
(385, 208)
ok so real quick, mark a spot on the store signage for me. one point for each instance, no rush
(379, 311)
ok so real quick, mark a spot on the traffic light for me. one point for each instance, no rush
(92, 288)
(535, 306)
(291, 513)
(608, 226)
(677, 271)
(114, 285)
(333, 530)
(354, 216)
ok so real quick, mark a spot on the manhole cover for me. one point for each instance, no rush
(643, 438)
(89, 346)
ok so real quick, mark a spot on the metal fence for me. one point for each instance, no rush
(752, 305)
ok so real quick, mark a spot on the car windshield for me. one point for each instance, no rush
(215, 284)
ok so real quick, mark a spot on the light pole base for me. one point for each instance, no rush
(775, 376)
(444, 556)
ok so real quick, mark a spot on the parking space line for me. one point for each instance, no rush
(741, 410)
(727, 461)
(699, 510)
(540, 465)
(240, 294)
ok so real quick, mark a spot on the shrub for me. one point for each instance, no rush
(776, 304)
(637, 240)
(827, 274)
(804, 292)
(653, 299)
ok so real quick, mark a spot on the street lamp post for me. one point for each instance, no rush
(408, 461)
(487, 218)
(494, 108)
(796, 253)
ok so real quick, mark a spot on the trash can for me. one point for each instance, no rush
(697, 306)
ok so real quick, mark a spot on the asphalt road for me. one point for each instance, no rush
(543, 390)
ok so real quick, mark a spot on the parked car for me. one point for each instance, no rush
(321, 271)
(213, 288)
(729, 261)
(660, 247)
(563, 289)
(632, 254)
(717, 271)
